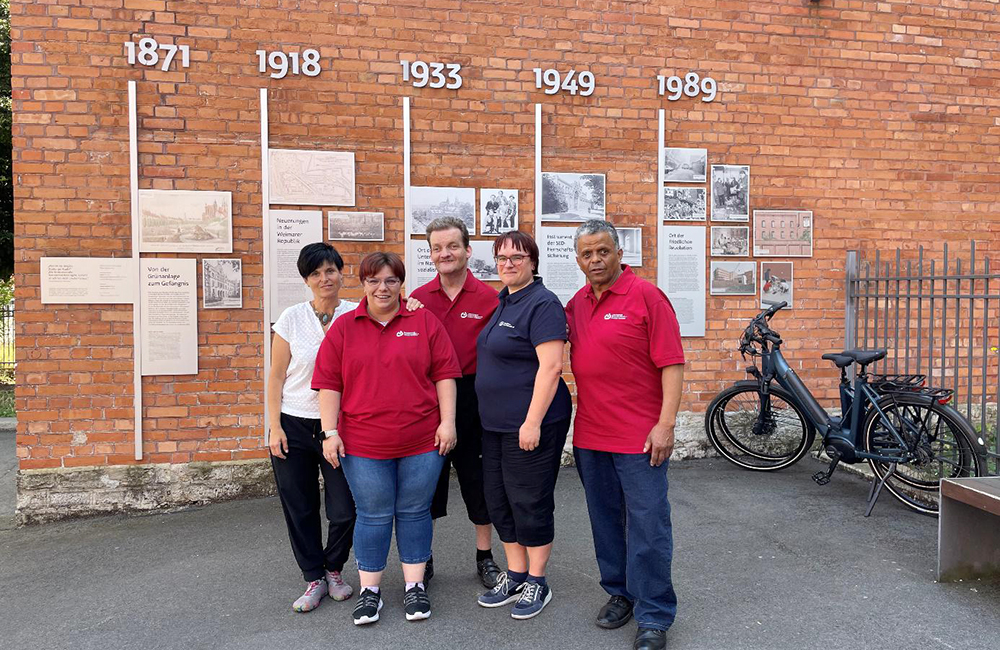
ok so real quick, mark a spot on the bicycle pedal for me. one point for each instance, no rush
(821, 478)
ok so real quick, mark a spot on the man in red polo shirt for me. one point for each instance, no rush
(628, 364)
(464, 305)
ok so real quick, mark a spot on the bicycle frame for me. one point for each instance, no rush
(843, 432)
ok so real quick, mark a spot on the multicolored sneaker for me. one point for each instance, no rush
(506, 591)
(309, 601)
(533, 600)
(338, 589)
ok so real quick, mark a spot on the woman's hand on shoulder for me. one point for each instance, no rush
(277, 442)
(412, 304)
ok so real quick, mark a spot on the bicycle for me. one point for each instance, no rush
(904, 429)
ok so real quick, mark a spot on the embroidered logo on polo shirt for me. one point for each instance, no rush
(614, 316)
(402, 333)
(469, 314)
(504, 323)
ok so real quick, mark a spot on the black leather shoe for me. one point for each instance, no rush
(646, 638)
(615, 613)
(488, 571)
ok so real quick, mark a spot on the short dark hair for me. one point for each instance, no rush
(313, 256)
(447, 223)
(521, 241)
(374, 262)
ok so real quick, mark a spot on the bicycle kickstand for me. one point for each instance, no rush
(877, 489)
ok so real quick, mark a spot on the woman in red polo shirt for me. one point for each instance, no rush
(390, 425)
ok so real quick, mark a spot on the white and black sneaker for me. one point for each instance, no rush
(416, 604)
(368, 606)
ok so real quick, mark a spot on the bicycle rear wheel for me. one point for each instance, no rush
(938, 435)
(756, 435)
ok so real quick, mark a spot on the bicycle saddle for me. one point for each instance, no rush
(864, 357)
(840, 360)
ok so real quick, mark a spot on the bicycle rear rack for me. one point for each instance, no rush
(909, 385)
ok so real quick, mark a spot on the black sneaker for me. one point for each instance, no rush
(533, 600)
(416, 604)
(488, 571)
(368, 606)
(428, 572)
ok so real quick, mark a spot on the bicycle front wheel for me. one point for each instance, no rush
(937, 436)
(758, 434)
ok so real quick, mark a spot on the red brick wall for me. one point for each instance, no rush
(880, 117)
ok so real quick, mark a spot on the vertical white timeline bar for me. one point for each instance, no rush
(538, 168)
(265, 192)
(661, 276)
(133, 160)
(407, 217)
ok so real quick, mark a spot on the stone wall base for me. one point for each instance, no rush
(64, 493)
(51, 494)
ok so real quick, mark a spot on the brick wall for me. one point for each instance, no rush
(880, 117)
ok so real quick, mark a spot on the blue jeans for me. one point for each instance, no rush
(633, 539)
(399, 488)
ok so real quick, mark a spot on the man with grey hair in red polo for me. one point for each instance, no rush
(628, 363)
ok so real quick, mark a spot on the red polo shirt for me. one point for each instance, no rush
(465, 317)
(620, 344)
(386, 375)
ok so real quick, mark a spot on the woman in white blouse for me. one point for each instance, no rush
(294, 437)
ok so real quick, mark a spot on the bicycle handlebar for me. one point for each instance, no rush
(758, 331)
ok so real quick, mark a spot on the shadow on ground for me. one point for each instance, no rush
(762, 561)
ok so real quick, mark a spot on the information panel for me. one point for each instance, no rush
(557, 262)
(290, 231)
(682, 275)
(87, 280)
(169, 317)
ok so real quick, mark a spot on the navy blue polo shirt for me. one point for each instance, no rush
(508, 363)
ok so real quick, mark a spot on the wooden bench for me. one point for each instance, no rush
(969, 529)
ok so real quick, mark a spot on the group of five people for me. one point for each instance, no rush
(381, 397)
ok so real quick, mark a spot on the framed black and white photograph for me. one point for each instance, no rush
(730, 192)
(776, 283)
(572, 197)
(356, 226)
(684, 203)
(684, 165)
(782, 233)
(222, 283)
(733, 279)
(429, 203)
(630, 240)
(730, 241)
(482, 264)
(497, 212)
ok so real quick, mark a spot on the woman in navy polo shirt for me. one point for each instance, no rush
(525, 407)
(396, 420)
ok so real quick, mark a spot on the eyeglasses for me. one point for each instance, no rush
(516, 260)
(390, 283)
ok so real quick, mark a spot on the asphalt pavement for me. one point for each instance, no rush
(761, 561)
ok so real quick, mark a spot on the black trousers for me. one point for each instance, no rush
(297, 477)
(467, 457)
(520, 485)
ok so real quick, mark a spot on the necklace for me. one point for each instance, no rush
(323, 317)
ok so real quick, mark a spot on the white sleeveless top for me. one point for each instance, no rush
(299, 326)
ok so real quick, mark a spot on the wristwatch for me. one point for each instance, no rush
(329, 433)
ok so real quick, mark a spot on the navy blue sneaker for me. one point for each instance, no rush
(533, 600)
(506, 591)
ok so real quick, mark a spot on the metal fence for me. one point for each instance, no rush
(937, 317)
(7, 350)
